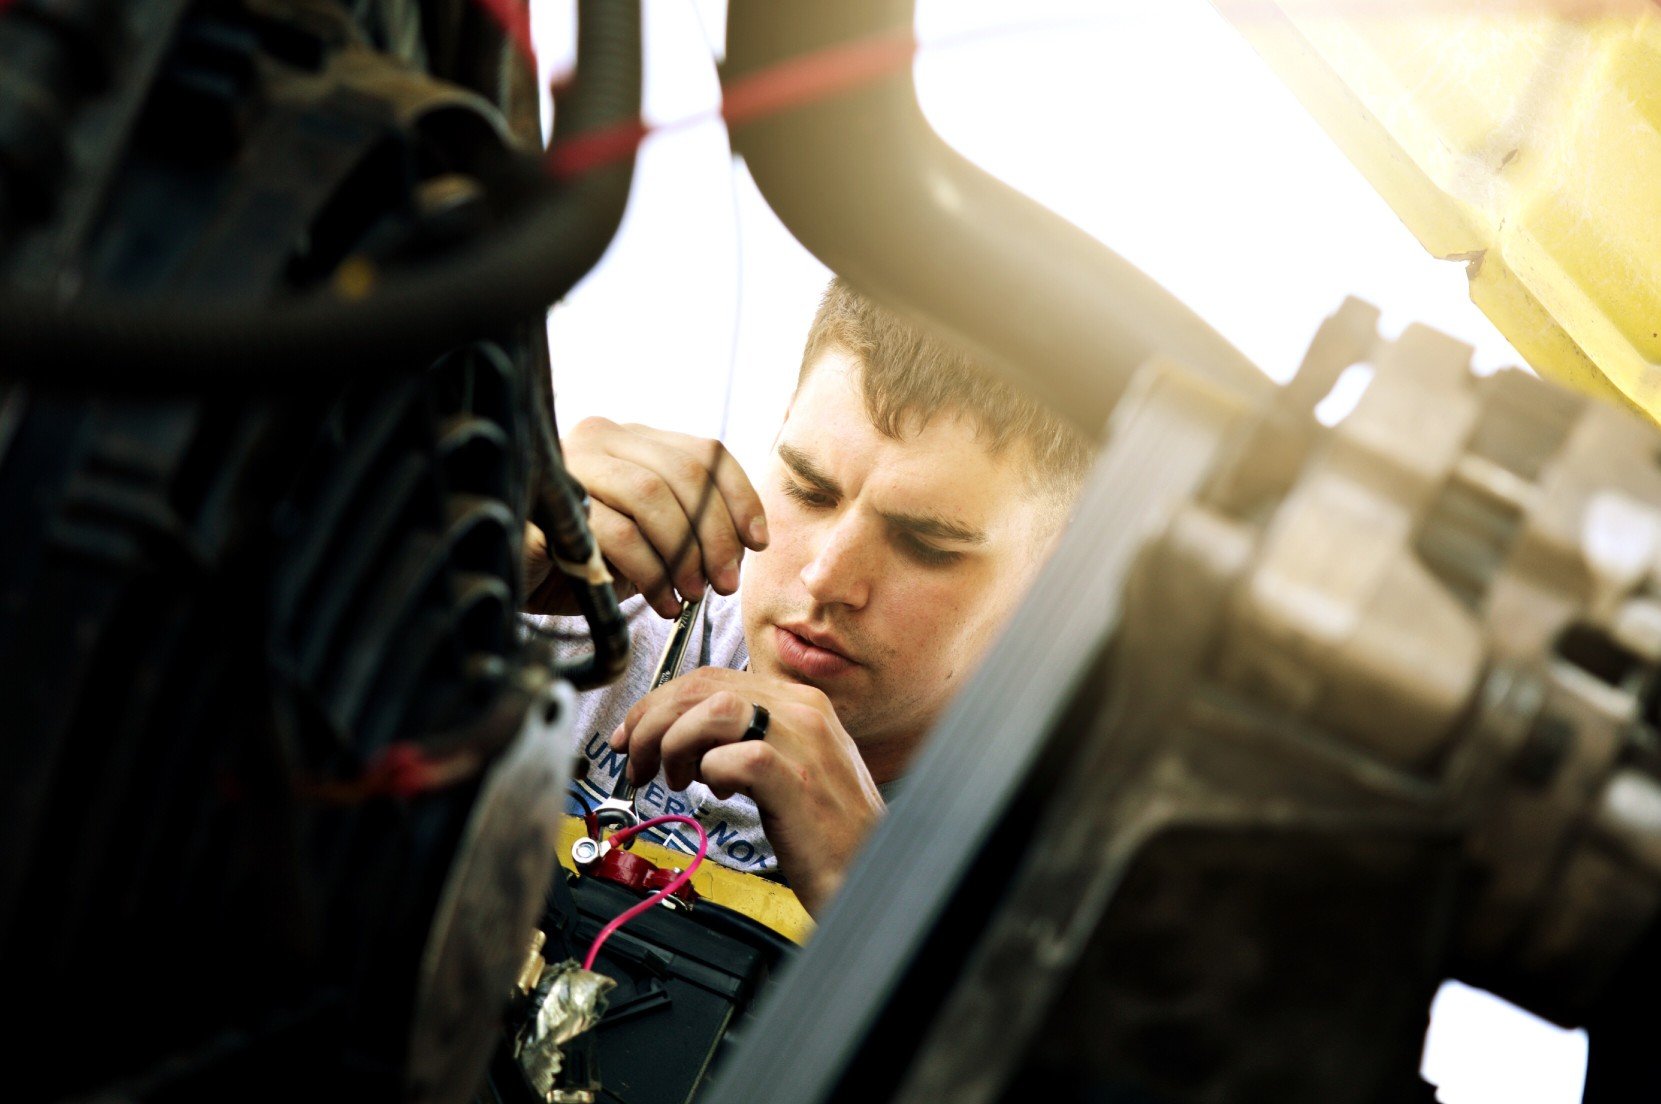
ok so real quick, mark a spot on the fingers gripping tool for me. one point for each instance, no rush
(617, 811)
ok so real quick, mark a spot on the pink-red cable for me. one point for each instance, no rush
(514, 17)
(679, 880)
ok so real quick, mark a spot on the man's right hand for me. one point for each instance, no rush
(671, 513)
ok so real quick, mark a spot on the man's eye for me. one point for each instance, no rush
(927, 554)
(816, 499)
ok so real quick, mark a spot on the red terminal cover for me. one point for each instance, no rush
(635, 872)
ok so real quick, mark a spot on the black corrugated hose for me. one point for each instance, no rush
(608, 31)
(865, 183)
(607, 34)
(512, 276)
(515, 273)
(559, 509)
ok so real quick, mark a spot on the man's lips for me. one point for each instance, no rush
(824, 641)
(817, 655)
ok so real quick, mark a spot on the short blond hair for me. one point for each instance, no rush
(908, 376)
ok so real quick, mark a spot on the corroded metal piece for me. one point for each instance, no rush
(569, 1001)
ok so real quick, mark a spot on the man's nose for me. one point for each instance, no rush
(838, 572)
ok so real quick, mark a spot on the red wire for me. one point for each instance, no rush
(401, 770)
(816, 75)
(793, 82)
(822, 74)
(514, 18)
(679, 880)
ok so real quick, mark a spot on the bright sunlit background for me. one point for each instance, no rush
(1153, 126)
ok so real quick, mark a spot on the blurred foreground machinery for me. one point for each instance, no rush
(1301, 723)
(279, 778)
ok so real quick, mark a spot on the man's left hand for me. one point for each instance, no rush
(817, 800)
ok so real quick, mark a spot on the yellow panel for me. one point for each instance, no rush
(761, 900)
(1523, 138)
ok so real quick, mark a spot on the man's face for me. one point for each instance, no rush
(893, 563)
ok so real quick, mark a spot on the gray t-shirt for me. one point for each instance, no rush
(734, 825)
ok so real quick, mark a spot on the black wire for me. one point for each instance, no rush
(590, 823)
(558, 502)
(707, 493)
(737, 238)
(558, 508)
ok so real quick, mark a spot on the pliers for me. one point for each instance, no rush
(617, 811)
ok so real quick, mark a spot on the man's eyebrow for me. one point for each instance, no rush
(936, 527)
(932, 526)
(807, 471)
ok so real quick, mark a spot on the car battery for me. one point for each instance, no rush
(686, 977)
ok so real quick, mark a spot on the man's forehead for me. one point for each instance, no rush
(942, 468)
(831, 401)
(832, 390)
